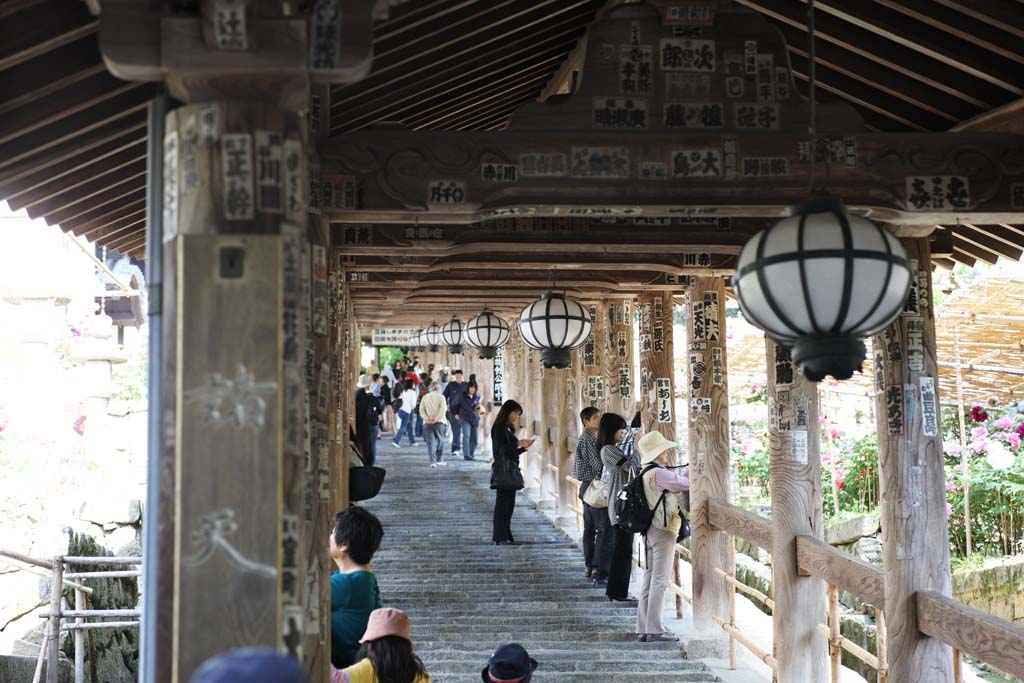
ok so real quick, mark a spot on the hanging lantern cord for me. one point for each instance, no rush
(812, 128)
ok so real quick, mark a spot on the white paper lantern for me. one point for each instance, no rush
(451, 335)
(554, 325)
(432, 336)
(487, 332)
(820, 282)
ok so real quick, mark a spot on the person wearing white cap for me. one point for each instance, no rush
(662, 487)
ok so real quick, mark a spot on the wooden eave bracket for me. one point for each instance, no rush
(138, 45)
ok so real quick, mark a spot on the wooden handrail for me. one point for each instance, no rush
(739, 522)
(993, 640)
(744, 588)
(853, 575)
(853, 648)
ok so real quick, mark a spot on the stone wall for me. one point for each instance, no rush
(997, 590)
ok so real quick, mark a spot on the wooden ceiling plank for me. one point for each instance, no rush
(532, 83)
(887, 53)
(85, 226)
(112, 113)
(949, 51)
(97, 184)
(370, 84)
(1003, 15)
(485, 118)
(112, 194)
(133, 221)
(50, 72)
(964, 26)
(406, 12)
(868, 103)
(963, 258)
(388, 108)
(961, 246)
(998, 232)
(983, 241)
(892, 83)
(42, 28)
(510, 81)
(135, 234)
(79, 97)
(76, 172)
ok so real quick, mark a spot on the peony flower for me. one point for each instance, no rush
(979, 433)
(978, 415)
(949, 510)
(993, 400)
(998, 457)
(1014, 440)
(841, 485)
(980, 446)
(952, 487)
(1004, 422)
(1020, 429)
(823, 421)
(951, 447)
(835, 434)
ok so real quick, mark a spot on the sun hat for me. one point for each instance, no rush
(509, 664)
(250, 664)
(364, 381)
(387, 621)
(652, 445)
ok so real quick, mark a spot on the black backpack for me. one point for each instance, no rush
(631, 507)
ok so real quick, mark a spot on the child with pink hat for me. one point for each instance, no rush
(389, 655)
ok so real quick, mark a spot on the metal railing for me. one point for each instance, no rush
(55, 569)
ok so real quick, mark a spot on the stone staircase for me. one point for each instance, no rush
(465, 596)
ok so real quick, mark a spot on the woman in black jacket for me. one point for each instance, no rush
(506, 477)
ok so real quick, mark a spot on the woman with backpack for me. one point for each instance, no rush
(662, 487)
(620, 465)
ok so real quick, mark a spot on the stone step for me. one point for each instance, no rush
(541, 677)
(549, 667)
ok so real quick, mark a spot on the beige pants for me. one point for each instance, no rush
(660, 550)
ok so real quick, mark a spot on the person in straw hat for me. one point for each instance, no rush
(662, 488)
(389, 654)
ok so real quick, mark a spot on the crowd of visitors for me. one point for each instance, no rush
(370, 643)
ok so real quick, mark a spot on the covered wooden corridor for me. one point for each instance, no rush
(297, 174)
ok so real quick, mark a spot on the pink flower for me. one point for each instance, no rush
(755, 386)
(993, 400)
(825, 460)
(1020, 429)
(949, 510)
(979, 433)
(951, 448)
(823, 421)
(1004, 422)
(952, 487)
(979, 446)
(1014, 440)
(835, 434)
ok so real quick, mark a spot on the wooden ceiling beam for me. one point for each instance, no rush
(1012, 240)
(478, 96)
(983, 241)
(100, 181)
(129, 225)
(963, 26)
(1006, 119)
(43, 27)
(76, 213)
(890, 54)
(891, 83)
(86, 225)
(594, 247)
(391, 106)
(1003, 15)
(962, 246)
(50, 72)
(76, 162)
(463, 117)
(952, 52)
(112, 115)
(430, 61)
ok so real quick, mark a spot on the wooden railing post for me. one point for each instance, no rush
(796, 510)
(915, 548)
(53, 625)
(708, 439)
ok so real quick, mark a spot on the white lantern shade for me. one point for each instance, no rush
(432, 335)
(451, 333)
(554, 325)
(822, 275)
(487, 331)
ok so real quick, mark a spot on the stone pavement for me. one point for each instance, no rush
(465, 596)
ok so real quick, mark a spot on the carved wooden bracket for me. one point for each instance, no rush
(241, 49)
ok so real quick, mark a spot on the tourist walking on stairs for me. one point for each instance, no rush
(509, 664)
(434, 411)
(506, 477)
(389, 654)
(367, 419)
(662, 487)
(464, 407)
(615, 444)
(586, 469)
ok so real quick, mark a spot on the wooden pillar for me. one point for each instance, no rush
(800, 651)
(915, 547)
(657, 367)
(235, 221)
(607, 358)
(708, 439)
